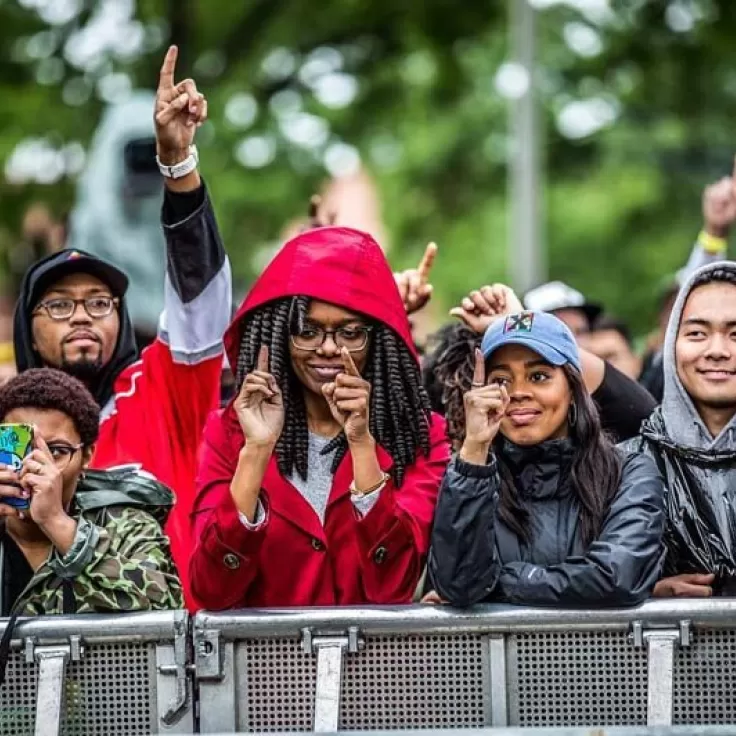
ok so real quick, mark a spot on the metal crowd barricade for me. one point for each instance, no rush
(432, 667)
(98, 676)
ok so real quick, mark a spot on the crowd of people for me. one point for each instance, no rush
(525, 455)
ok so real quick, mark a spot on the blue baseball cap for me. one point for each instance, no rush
(539, 331)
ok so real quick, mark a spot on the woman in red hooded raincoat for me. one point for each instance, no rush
(318, 484)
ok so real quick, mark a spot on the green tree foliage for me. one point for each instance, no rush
(637, 99)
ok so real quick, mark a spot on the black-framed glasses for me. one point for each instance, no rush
(353, 339)
(63, 308)
(63, 454)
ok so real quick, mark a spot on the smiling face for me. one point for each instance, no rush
(705, 351)
(80, 345)
(315, 368)
(539, 395)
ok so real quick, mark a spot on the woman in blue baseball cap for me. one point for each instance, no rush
(539, 507)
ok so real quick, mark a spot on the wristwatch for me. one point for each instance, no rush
(177, 171)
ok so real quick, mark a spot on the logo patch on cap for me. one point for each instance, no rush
(519, 322)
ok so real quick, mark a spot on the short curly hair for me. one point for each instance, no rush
(46, 388)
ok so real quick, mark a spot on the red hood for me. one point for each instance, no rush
(339, 265)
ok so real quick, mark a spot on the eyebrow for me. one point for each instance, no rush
(63, 291)
(528, 364)
(699, 321)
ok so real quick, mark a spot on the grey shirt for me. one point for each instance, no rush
(318, 484)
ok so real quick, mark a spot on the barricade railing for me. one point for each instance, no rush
(432, 667)
(372, 669)
(98, 675)
(553, 731)
(561, 731)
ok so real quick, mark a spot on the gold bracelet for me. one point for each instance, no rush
(712, 243)
(361, 494)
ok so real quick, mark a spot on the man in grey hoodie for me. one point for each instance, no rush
(692, 436)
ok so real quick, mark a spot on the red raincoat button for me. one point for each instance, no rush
(231, 561)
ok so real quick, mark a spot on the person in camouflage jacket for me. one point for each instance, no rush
(90, 541)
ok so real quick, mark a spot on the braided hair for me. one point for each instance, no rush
(399, 406)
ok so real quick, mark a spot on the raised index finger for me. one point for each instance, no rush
(262, 364)
(166, 77)
(479, 372)
(347, 361)
(425, 265)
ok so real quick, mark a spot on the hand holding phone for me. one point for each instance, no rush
(16, 443)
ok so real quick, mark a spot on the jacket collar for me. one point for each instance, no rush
(655, 431)
(539, 471)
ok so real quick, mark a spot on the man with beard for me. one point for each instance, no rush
(692, 436)
(72, 315)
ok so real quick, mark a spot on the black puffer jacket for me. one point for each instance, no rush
(700, 497)
(475, 556)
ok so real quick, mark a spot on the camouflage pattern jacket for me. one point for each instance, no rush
(120, 559)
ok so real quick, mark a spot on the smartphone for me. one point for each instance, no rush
(16, 442)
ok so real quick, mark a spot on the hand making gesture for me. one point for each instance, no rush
(260, 405)
(349, 400)
(413, 284)
(485, 305)
(485, 407)
(180, 110)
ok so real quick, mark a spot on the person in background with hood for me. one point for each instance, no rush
(119, 199)
(317, 485)
(539, 508)
(72, 314)
(692, 436)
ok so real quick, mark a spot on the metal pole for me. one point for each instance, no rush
(527, 266)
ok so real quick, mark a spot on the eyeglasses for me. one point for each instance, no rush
(353, 339)
(96, 307)
(63, 454)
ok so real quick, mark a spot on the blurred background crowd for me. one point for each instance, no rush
(532, 140)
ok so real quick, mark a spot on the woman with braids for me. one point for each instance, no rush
(318, 483)
(539, 508)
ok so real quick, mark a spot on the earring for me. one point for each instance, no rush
(572, 415)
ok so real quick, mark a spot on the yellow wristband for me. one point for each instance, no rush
(712, 244)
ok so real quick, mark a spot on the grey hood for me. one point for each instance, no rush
(116, 226)
(682, 421)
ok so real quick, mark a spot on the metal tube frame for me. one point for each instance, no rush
(490, 619)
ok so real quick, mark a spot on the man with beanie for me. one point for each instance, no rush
(692, 436)
(72, 315)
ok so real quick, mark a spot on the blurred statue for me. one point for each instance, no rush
(117, 214)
